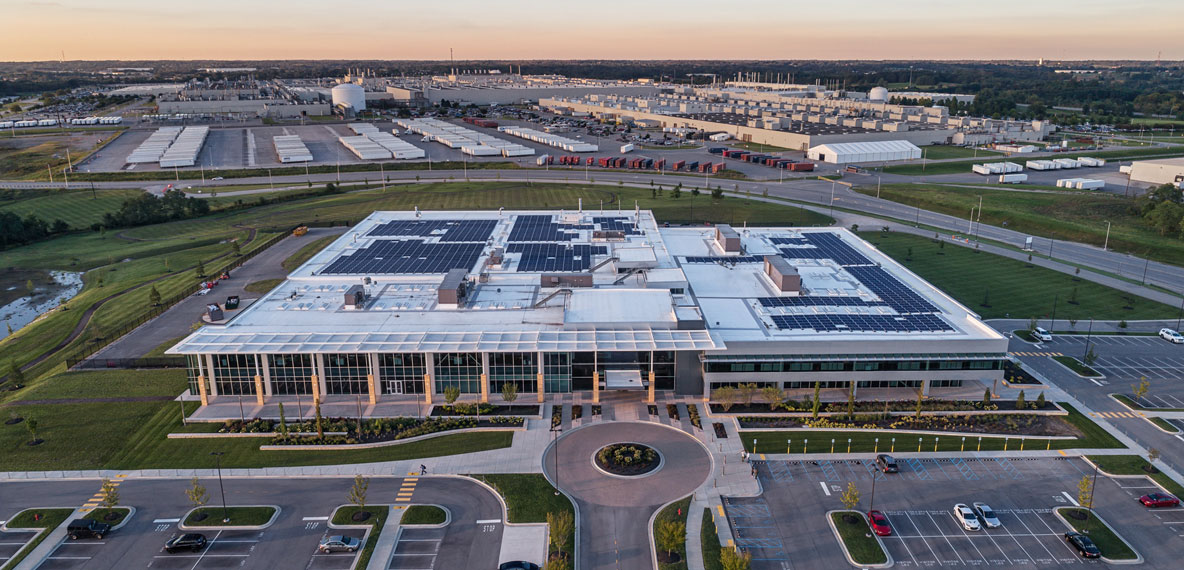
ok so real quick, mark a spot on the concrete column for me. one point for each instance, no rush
(595, 386)
(265, 367)
(542, 387)
(316, 389)
(375, 371)
(370, 383)
(428, 388)
(318, 361)
(259, 389)
(925, 388)
(201, 390)
(855, 388)
(213, 387)
(650, 398)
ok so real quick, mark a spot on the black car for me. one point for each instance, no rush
(1084, 546)
(518, 565)
(87, 528)
(886, 464)
(191, 541)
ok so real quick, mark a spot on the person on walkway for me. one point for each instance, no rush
(423, 469)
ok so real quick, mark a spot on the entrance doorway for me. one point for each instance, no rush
(393, 386)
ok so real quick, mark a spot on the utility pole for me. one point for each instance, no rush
(1106, 243)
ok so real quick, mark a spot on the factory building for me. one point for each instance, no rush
(1163, 171)
(407, 304)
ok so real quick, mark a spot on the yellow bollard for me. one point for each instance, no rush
(1005, 444)
(935, 445)
(832, 445)
(918, 445)
(893, 450)
(980, 443)
(876, 449)
(963, 444)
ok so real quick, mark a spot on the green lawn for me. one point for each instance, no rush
(239, 516)
(1077, 366)
(1136, 465)
(108, 383)
(100, 514)
(1009, 287)
(1064, 215)
(709, 542)
(78, 208)
(864, 441)
(50, 519)
(262, 287)
(757, 147)
(160, 348)
(857, 537)
(1163, 424)
(671, 513)
(1110, 544)
(306, 252)
(344, 516)
(424, 514)
(944, 151)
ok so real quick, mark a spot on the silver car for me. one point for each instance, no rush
(339, 543)
(986, 515)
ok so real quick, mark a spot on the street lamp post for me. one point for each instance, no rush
(218, 461)
(555, 451)
(1106, 244)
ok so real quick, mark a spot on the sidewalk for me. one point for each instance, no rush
(387, 540)
(47, 546)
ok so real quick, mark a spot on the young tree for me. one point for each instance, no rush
(1019, 401)
(1152, 454)
(283, 427)
(15, 375)
(560, 524)
(850, 497)
(236, 248)
(357, 493)
(509, 392)
(1122, 324)
(671, 535)
(1040, 401)
(110, 495)
(1140, 390)
(1085, 492)
(31, 425)
(451, 394)
(154, 296)
(748, 392)
(200, 270)
(773, 396)
(726, 396)
(851, 401)
(920, 404)
(196, 493)
(816, 404)
(986, 397)
(1032, 324)
(731, 559)
(717, 193)
(320, 426)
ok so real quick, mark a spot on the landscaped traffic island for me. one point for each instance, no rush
(1113, 547)
(861, 546)
(230, 516)
(628, 459)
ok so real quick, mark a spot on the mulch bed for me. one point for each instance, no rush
(632, 470)
(720, 432)
(532, 410)
(878, 407)
(995, 424)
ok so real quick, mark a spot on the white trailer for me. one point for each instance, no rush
(1067, 162)
(1092, 162)
(627, 148)
(1042, 165)
(1010, 167)
(1012, 178)
(1090, 184)
(984, 169)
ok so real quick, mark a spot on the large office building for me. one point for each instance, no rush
(586, 301)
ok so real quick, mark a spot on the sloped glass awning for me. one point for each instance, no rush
(212, 342)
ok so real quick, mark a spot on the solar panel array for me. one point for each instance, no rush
(406, 256)
(616, 224)
(544, 229)
(826, 246)
(789, 241)
(733, 259)
(819, 301)
(862, 323)
(448, 230)
(555, 257)
(896, 294)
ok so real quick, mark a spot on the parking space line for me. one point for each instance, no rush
(1050, 529)
(947, 539)
(1040, 542)
(1015, 539)
(923, 539)
(824, 489)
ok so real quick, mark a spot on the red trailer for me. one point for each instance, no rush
(660, 164)
(620, 162)
(604, 161)
(704, 166)
(678, 165)
(718, 167)
(591, 160)
(802, 166)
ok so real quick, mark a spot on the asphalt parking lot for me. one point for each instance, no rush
(417, 548)
(11, 543)
(1124, 360)
(785, 526)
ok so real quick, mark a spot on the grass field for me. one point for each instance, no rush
(49, 519)
(1155, 121)
(424, 514)
(1072, 216)
(529, 497)
(263, 286)
(1135, 465)
(1009, 287)
(1110, 544)
(671, 513)
(78, 208)
(709, 542)
(858, 539)
(914, 168)
(945, 151)
(757, 147)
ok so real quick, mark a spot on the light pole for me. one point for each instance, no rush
(555, 451)
(1090, 507)
(218, 461)
(1106, 244)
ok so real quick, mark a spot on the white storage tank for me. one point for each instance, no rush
(350, 96)
(878, 94)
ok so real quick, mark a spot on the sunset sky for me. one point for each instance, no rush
(605, 29)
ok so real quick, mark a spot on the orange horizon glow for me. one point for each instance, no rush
(609, 29)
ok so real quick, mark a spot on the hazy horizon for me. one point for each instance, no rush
(658, 30)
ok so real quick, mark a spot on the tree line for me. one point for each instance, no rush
(141, 210)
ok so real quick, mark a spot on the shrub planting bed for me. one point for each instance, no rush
(1015, 374)
(672, 411)
(484, 410)
(693, 412)
(1111, 545)
(627, 459)
(1007, 424)
(392, 429)
(720, 432)
(857, 538)
(806, 405)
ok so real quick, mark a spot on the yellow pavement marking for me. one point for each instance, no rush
(397, 500)
(721, 510)
(1062, 452)
(731, 544)
(405, 493)
(412, 473)
(762, 457)
(411, 479)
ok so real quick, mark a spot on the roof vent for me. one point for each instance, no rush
(783, 275)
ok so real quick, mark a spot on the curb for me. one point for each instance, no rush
(348, 446)
(831, 521)
(1073, 372)
(655, 470)
(1138, 557)
(275, 515)
(650, 530)
(447, 516)
(4, 527)
(1147, 478)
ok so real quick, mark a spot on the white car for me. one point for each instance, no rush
(1041, 334)
(1171, 336)
(986, 515)
(966, 517)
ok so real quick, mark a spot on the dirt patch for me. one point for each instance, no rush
(360, 516)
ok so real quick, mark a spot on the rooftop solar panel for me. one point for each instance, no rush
(616, 223)
(406, 256)
(862, 323)
(447, 230)
(732, 259)
(825, 246)
(543, 228)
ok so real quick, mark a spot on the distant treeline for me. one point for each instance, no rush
(141, 210)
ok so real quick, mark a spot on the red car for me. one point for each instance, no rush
(1159, 500)
(880, 523)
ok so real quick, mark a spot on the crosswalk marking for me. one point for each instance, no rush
(1029, 353)
(1114, 415)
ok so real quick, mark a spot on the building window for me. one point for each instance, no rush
(192, 371)
(460, 369)
(402, 373)
(346, 373)
(984, 365)
(831, 366)
(291, 374)
(234, 374)
(909, 365)
(948, 365)
(800, 366)
(557, 371)
(945, 384)
(865, 366)
(827, 384)
(518, 368)
(889, 383)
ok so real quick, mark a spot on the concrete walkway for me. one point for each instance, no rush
(387, 540)
(47, 546)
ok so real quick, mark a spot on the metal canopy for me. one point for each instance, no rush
(204, 341)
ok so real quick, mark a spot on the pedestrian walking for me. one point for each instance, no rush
(423, 469)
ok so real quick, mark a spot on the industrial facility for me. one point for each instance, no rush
(1162, 171)
(411, 303)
